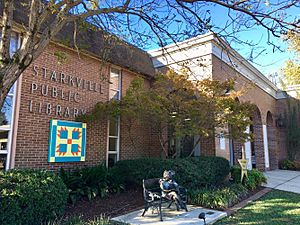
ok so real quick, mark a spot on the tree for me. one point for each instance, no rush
(291, 70)
(136, 21)
(184, 107)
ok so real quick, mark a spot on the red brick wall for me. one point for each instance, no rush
(33, 127)
(265, 103)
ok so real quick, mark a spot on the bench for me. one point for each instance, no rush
(153, 196)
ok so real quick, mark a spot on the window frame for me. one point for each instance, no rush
(110, 137)
(10, 129)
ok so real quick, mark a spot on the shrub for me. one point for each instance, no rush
(287, 164)
(218, 198)
(31, 197)
(214, 170)
(254, 179)
(190, 172)
(86, 182)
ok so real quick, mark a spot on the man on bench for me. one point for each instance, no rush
(171, 190)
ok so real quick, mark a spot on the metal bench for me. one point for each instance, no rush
(153, 196)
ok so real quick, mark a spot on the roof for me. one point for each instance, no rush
(94, 41)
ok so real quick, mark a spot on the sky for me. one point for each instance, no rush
(268, 61)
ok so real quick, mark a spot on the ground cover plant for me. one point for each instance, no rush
(275, 208)
(229, 194)
(218, 198)
(88, 182)
(287, 164)
(77, 220)
(254, 179)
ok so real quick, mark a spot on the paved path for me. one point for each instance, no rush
(172, 217)
(285, 180)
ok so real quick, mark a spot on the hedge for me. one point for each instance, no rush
(31, 197)
(190, 172)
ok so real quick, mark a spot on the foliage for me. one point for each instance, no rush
(293, 129)
(291, 70)
(189, 107)
(138, 22)
(79, 221)
(218, 198)
(190, 173)
(287, 164)
(31, 197)
(254, 179)
(86, 182)
(274, 208)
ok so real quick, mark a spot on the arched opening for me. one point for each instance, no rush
(271, 134)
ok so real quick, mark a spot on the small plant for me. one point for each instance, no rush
(218, 198)
(254, 178)
(77, 220)
(86, 182)
(287, 164)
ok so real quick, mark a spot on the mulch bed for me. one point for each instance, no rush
(116, 204)
(111, 206)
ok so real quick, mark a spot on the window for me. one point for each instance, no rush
(113, 147)
(6, 116)
(222, 142)
(115, 84)
(113, 141)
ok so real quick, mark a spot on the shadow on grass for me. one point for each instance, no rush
(275, 208)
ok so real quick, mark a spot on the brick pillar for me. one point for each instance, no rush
(207, 146)
(273, 153)
(237, 151)
(259, 146)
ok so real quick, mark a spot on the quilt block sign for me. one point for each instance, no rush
(67, 141)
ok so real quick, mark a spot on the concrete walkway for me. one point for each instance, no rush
(172, 217)
(284, 180)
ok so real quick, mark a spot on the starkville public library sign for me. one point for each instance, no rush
(68, 96)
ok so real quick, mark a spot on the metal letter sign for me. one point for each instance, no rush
(67, 141)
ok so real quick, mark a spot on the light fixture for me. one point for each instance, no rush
(280, 122)
(202, 217)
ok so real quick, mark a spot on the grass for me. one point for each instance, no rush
(275, 208)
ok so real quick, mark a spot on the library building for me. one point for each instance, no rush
(37, 121)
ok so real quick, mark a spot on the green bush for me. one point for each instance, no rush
(254, 179)
(86, 182)
(218, 198)
(190, 172)
(287, 164)
(213, 170)
(31, 197)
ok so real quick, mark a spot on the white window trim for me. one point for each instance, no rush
(120, 82)
(117, 152)
(7, 152)
(11, 128)
(118, 142)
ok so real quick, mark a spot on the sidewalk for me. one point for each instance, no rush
(172, 217)
(285, 180)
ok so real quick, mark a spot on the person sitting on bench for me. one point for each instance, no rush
(170, 189)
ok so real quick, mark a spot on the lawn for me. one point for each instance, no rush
(275, 208)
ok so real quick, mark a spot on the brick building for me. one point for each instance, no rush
(208, 56)
(61, 84)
